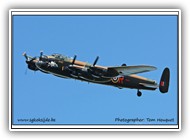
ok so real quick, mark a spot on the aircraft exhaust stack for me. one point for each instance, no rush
(164, 81)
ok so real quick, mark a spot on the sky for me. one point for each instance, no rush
(133, 40)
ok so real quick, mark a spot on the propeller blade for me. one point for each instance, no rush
(96, 60)
(74, 59)
(26, 71)
(25, 55)
(41, 53)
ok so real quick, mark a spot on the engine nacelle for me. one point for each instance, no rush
(31, 65)
(97, 72)
(74, 71)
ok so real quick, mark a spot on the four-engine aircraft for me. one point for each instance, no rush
(120, 76)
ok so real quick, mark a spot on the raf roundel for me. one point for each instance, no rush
(115, 79)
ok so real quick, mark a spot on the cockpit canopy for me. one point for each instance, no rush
(60, 56)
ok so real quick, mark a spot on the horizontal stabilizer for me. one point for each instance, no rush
(154, 86)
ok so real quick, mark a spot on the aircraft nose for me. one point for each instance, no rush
(31, 65)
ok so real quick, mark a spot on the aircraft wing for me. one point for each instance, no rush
(128, 70)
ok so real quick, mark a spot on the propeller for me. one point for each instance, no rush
(96, 72)
(75, 72)
(26, 71)
(41, 54)
(28, 58)
(74, 59)
(96, 60)
(25, 55)
(30, 62)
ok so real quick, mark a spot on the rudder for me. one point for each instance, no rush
(164, 81)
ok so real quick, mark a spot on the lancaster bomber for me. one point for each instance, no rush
(118, 76)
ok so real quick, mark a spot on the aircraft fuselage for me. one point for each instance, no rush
(132, 81)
